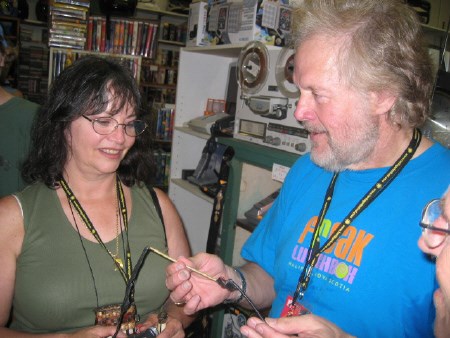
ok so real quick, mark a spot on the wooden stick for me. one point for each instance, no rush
(162, 254)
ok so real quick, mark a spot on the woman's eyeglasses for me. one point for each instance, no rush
(107, 125)
(435, 228)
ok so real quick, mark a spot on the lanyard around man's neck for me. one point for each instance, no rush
(315, 250)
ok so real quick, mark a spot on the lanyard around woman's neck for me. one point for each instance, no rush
(126, 274)
(314, 248)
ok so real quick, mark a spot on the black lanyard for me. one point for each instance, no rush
(126, 274)
(314, 248)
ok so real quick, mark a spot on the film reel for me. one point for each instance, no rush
(284, 73)
(253, 67)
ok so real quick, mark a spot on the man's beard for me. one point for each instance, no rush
(356, 148)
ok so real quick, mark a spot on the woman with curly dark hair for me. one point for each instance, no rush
(70, 240)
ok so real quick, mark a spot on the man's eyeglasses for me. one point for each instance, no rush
(435, 228)
(107, 125)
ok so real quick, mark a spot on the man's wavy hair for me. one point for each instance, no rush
(383, 50)
(86, 87)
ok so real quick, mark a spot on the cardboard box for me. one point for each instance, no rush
(242, 21)
(196, 33)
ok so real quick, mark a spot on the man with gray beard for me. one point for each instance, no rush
(336, 255)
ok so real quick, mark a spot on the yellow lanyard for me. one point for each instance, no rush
(126, 274)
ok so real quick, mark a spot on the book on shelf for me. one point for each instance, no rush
(89, 33)
(68, 13)
(61, 44)
(67, 20)
(148, 40)
(65, 37)
(152, 48)
(121, 36)
(103, 36)
(144, 38)
(70, 8)
(134, 37)
(139, 38)
(130, 36)
(124, 37)
(69, 26)
(66, 32)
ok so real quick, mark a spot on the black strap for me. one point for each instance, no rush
(156, 202)
(216, 216)
(155, 199)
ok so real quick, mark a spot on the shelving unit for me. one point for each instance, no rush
(33, 60)
(202, 74)
(160, 73)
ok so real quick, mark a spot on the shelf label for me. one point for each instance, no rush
(279, 172)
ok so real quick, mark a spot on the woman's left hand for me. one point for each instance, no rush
(173, 328)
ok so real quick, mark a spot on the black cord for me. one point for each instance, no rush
(129, 290)
(231, 285)
(85, 252)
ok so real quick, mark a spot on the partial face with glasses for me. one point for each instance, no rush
(98, 143)
(435, 240)
(435, 225)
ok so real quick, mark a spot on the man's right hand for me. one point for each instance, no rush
(193, 291)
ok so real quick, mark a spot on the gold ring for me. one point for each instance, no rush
(179, 303)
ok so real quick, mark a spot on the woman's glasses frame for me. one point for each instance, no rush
(133, 128)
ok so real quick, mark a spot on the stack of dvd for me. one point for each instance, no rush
(33, 61)
(68, 23)
(164, 124)
(162, 159)
(132, 37)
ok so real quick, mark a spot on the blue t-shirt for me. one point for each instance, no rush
(374, 281)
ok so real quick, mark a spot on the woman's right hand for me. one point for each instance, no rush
(192, 290)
